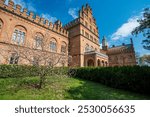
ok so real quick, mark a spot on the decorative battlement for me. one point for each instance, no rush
(16, 9)
(72, 23)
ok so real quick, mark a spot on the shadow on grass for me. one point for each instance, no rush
(95, 91)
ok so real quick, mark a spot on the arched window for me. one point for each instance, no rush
(63, 47)
(19, 34)
(14, 58)
(53, 45)
(1, 24)
(87, 48)
(98, 63)
(38, 40)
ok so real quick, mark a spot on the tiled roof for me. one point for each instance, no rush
(120, 49)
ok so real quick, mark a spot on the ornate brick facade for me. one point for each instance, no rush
(78, 39)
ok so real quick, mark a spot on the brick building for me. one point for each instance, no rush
(78, 39)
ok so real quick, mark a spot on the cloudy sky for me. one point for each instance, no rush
(115, 18)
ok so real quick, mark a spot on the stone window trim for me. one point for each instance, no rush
(14, 58)
(64, 47)
(87, 35)
(39, 40)
(1, 24)
(53, 45)
(18, 36)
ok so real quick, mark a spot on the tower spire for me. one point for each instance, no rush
(104, 43)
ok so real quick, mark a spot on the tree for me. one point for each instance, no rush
(144, 28)
(144, 59)
(36, 54)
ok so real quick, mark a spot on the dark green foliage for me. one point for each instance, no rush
(17, 71)
(144, 28)
(133, 78)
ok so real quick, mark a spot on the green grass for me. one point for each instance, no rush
(61, 88)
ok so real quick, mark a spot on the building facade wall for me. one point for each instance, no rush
(122, 59)
(80, 37)
(15, 19)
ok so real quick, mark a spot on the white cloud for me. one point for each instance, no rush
(126, 28)
(49, 17)
(29, 5)
(73, 12)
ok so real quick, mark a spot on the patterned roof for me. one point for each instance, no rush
(120, 49)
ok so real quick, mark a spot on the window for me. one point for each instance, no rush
(90, 20)
(63, 47)
(86, 24)
(87, 48)
(14, 59)
(18, 36)
(38, 40)
(94, 31)
(1, 24)
(53, 45)
(82, 32)
(86, 35)
(91, 28)
(91, 37)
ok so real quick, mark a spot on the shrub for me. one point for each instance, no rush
(132, 78)
(12, 71)
(18, 71)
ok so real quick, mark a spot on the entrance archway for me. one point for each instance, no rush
(90, 62)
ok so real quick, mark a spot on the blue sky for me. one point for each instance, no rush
(115, 18)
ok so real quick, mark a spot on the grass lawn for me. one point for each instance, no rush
(61, 88)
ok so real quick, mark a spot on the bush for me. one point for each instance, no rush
(13, 71)
(18, 71)
(132, 78)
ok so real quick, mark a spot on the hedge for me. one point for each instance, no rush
(19, 71)
(132, 78)
(15, 71)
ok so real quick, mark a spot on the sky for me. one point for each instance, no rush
(115, 18)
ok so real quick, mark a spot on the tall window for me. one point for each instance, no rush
(38, 40)
(91, 37)
(82, 32)
(63, 47)
(53, 45)
(1, 24)
(87, 34)
(18, 36)
(14, 59)
(91, 28)
(86, 24)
